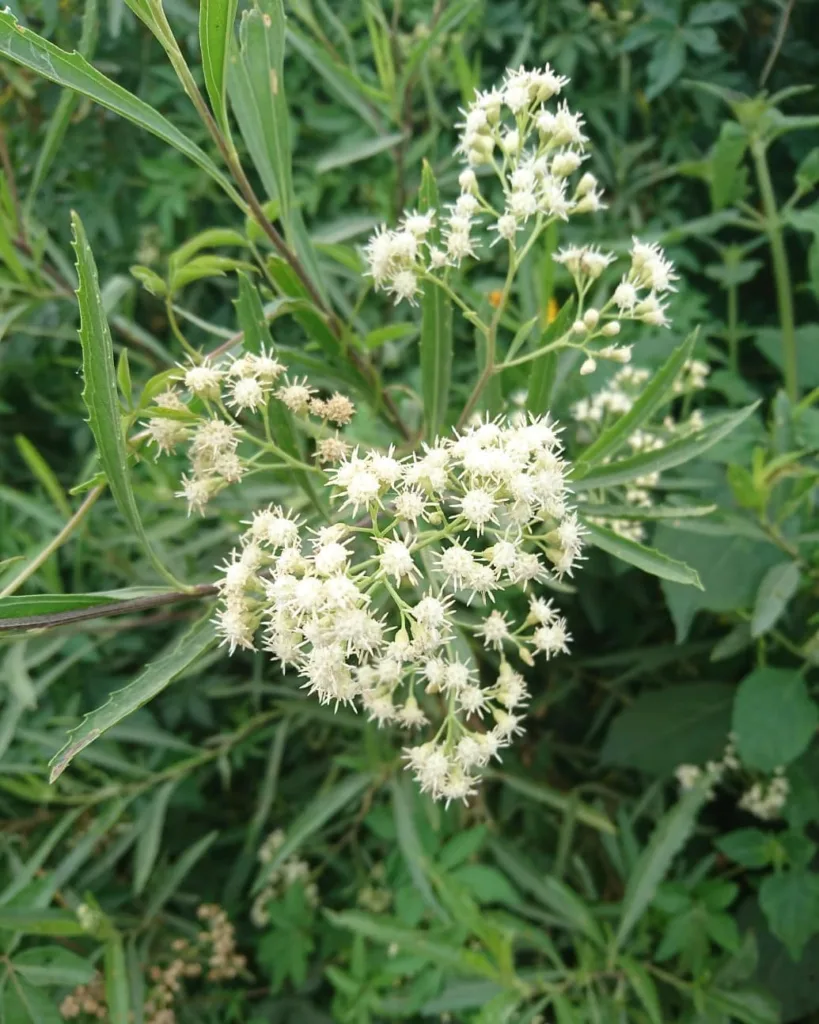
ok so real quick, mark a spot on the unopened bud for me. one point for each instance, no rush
(611, 329)
(591, 318)
(589, 366)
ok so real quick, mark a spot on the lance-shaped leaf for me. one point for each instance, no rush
(638, 555)
(216, 19)
(145, 687)
(674, 454)
(100, 393)
(658, 391)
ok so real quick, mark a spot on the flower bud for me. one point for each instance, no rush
(589, 366)
(586, 184)
(468, 181)
(611, 329)
(591, 318)
(578, 327)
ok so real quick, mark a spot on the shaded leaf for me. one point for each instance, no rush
(151, 681)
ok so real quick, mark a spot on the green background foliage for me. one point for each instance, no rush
(581, 885)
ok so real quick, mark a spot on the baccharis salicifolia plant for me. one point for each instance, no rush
(383, 601)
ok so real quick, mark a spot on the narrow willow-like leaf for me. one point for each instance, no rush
(652, 866)
(61, 118)
(100, 393)
(256, 89)
(387, 932)
(343, 85)
(72, 71)
(145, 687)
(555, 895)
(216, 19)
(409, 842)
(116, 981)
(674, 454)
(648, 559)
(250, 312)
(151, 824)
(312, 818)
(436, 327)
(659, 390)
(648, 512)
(16, 606)
(541, 373)
(39, 922)
(177, 873)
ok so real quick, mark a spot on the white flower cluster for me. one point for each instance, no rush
(203, 412)
(367, 610)
(288, 873)
(533, 152)
(765, 799)
(616, 398)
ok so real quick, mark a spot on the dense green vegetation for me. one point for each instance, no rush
(214, 844)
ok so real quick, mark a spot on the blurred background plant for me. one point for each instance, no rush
(647, 852)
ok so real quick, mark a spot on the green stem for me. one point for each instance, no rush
(55, 542)
(491, 336)
(733, 317)
(782, 275)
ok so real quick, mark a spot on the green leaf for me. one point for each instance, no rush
(151, 681)
(355, 150)
(668, 838)
(648, 513)
(317, 813)
(100, 392)
(204, 266)
(256, 89)
(638, 555)
(343, 85)
(674, 454)
(727, 179)
(150, 280)
(149, 826)
(644, 988)
(790, 902)
(409, 842)
(40, 922)
(72, 71)
(419, 943)
(23, 1004)
(43, 473)
(210, 238)
(778, 586)
(557, 897)
(559, 801)
(174, 878)
(774, 718)
(436, 327)
(658, 391)
(543, 371)
(807, 173)
(747, 846)
(730, 566)
(216, 19)
(681, 724)
(666, 65)
(252, 321)
(116, 982)
(52, 965)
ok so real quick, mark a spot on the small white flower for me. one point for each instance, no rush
(396, 561)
